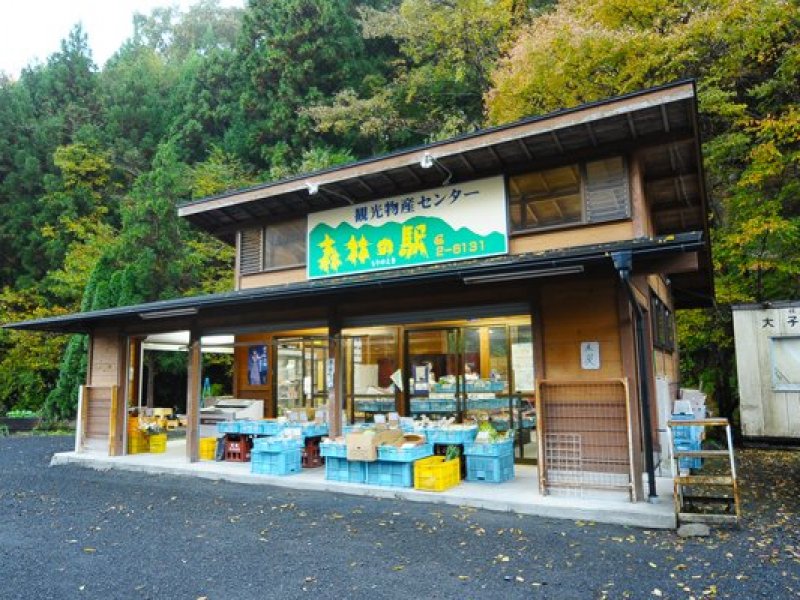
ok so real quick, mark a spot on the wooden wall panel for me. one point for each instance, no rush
(576, 236)
(105, 359)
(568, 319)
(272, 278)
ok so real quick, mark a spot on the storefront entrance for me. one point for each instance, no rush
(476, 373)
(300, 374)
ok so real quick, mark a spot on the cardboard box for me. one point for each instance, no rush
(363, 445)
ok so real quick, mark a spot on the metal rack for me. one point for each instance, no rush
(685, 498)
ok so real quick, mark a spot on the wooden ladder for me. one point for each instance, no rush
(731, 508)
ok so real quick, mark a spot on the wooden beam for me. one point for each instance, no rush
(500, 135)
(336, 358)
(466, 162)
(525, 149)
(688, 262)
(193, 396)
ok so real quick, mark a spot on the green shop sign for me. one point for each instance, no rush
(455, 222)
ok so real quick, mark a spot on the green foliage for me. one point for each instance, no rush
(745, 56)
(435, 87)
(93, 162)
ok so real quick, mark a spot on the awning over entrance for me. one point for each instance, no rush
(649, 255)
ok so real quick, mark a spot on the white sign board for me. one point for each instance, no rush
(590, 355)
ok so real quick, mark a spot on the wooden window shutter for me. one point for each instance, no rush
(250, 260)
(607, 193)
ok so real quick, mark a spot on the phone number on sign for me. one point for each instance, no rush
(456, 249)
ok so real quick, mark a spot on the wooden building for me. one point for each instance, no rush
(767, 338)
(528, 272)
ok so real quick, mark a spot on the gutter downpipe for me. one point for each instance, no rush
(623, 262)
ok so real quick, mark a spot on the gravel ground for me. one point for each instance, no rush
(71, 532)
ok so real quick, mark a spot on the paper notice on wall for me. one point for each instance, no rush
(397, 379)
(522, 364)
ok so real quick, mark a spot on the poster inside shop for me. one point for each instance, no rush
(455, 222)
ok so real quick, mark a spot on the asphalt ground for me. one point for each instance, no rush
(72, 532)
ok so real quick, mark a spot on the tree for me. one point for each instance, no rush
(292, 54)
(744, 54)
(447, 51)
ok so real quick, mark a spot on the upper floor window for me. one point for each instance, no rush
(280, 245)
(590, 192)
(663, 325)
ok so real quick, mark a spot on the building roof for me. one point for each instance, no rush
(178, 312)
(660, 121)
(767, 305)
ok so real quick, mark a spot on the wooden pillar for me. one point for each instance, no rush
(151, 379)
(80, 423)
(628, 351)
(335, 360)
(193, 397)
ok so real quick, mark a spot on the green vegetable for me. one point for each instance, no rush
(452, 453)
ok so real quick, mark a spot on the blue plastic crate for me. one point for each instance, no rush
(489, 449)
(314, 429)
(268, 427)
(275, 444)
(691, 433)
(492, 469)
(452, 436)
(442, 405)
(249, 427)
(689, 462)
(496, 386)
(387, 404)
(276, 463)
(331, 450)
(420, 406)
(229, 427)
(395, 454)
(395, 474)
(340, 469)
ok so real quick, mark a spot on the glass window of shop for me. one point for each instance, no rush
(300, 374)
(371, 372)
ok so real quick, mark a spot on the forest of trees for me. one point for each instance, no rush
(94, 159)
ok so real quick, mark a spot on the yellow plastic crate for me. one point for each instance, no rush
(208, 448)
(138, 442)
(435, 474)
(158, 442)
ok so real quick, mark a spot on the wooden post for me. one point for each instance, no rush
(193, 397)
(336, 392)
(628, 351)
(80, 430)
(113, 442)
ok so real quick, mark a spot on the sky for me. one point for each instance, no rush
(32, 30)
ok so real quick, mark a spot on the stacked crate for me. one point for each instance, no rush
(276, 456)
(687, 438)
(491, 462)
